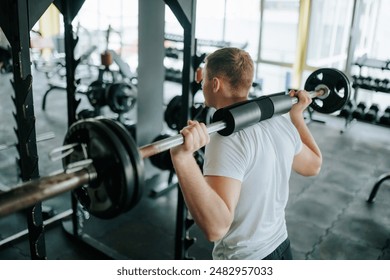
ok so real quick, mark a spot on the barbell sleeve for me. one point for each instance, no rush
(321, 92)
(32, 192)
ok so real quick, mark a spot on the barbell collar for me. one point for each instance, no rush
(321, 91)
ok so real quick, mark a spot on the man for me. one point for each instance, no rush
(240, 199)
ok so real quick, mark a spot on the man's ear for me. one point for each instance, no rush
(216, 84)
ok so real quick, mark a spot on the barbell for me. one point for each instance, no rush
(105, 169)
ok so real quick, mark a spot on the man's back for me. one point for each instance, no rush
(260, 157)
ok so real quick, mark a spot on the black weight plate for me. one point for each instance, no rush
(339, 89)
(133, 190)
(96, 94)
(103, 197)
(162, 160)
(202, 114)
(348, 82)
(121, 97)
(172, 112)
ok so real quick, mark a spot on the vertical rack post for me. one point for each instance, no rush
(186, 15)
(16, 22)
(70, 64)
(69, 13)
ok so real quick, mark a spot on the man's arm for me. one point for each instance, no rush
(308, 162)
(211, 200)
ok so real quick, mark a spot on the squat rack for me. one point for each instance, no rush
(17, 17)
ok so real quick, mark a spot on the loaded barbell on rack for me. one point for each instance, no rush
(104, 167)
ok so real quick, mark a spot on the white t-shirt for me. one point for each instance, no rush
(260, 156)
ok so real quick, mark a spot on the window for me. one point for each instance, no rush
(370, 20)
(210, 19)
(279, 31)
(243, 24)
(381, 40)
(278, 43)
(329, 32)
(93, 21)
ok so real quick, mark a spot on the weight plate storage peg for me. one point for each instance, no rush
(117, 186)
(339, 90)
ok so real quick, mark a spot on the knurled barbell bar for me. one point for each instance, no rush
(111, 181)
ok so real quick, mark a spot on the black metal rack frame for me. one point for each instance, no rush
(17, 17)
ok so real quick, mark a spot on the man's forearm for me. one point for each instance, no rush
(305, 134)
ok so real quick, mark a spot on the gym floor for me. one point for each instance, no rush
(328, 216)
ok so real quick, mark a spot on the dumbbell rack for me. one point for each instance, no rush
(368, 83)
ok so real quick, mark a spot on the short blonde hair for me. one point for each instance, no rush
(234, 64)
